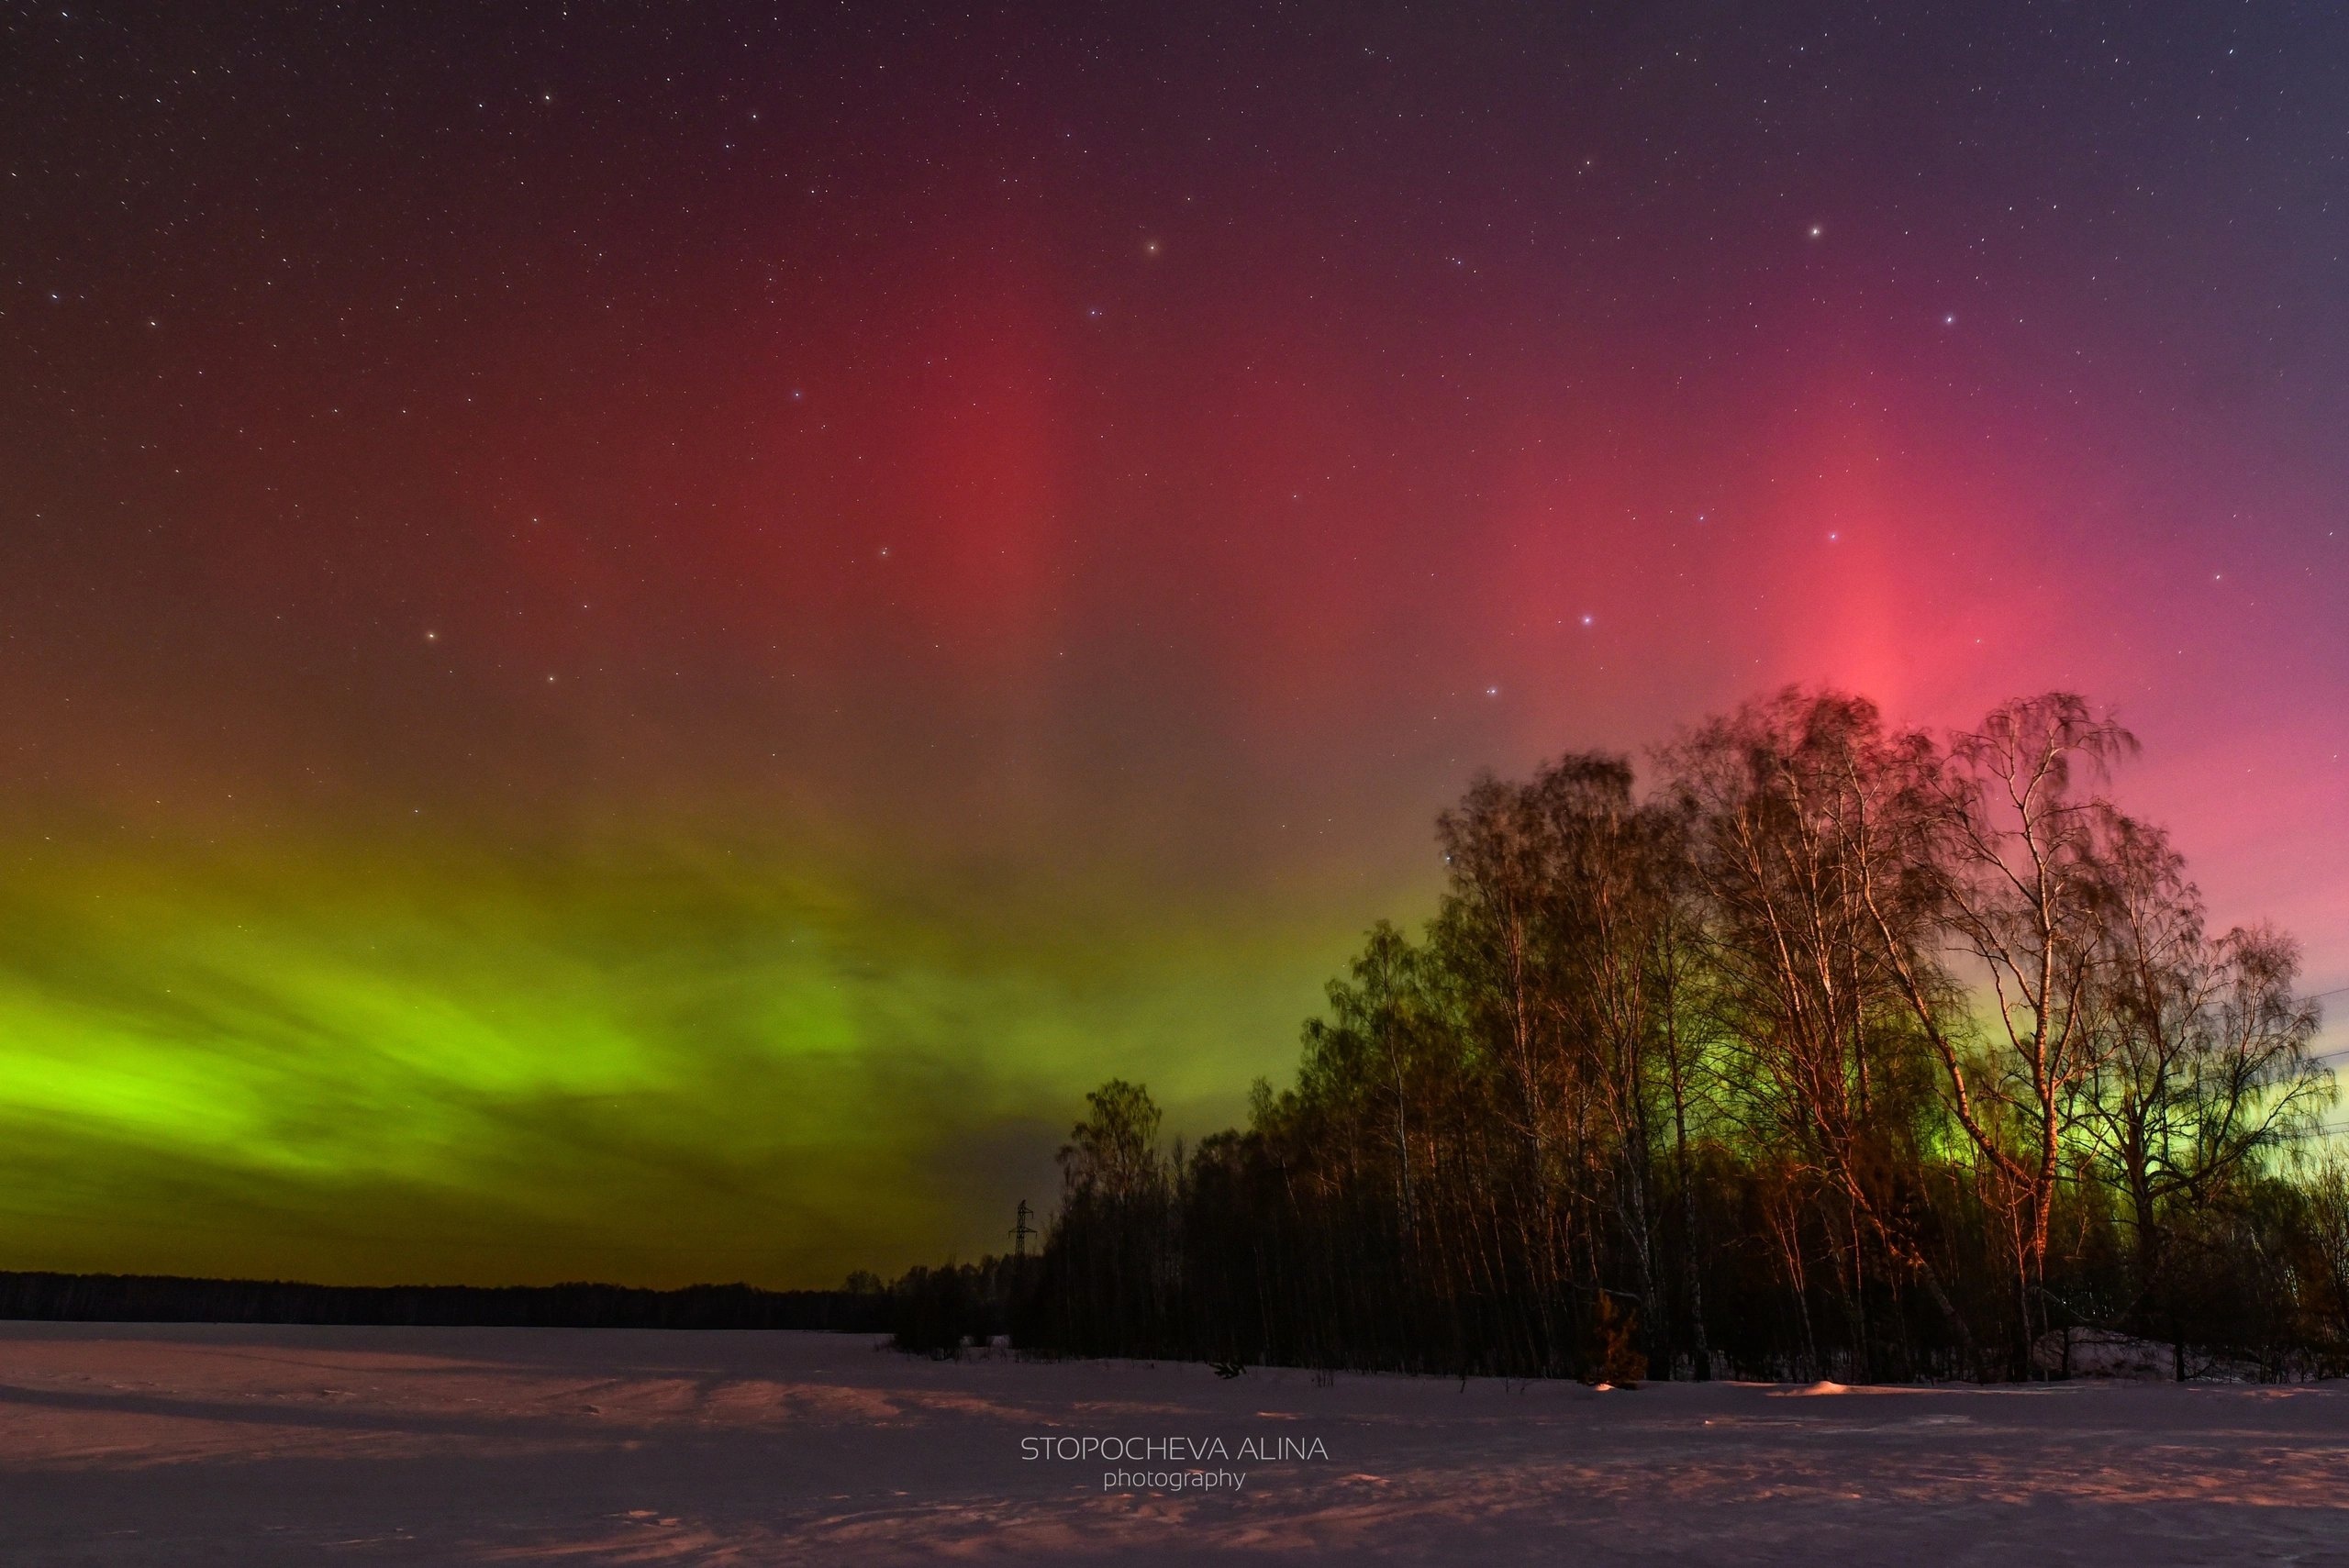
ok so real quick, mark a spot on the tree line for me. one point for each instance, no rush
(172, 1298)
(1839, 1050)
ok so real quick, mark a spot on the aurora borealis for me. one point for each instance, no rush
(634, 642)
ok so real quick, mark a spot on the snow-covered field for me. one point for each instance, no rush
(252, 1445)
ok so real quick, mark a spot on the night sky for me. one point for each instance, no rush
(634, 642)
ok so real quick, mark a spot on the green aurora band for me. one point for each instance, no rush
(647, 1062)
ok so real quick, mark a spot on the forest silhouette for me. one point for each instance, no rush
(1839, 1051)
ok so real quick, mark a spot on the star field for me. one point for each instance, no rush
(610, 614)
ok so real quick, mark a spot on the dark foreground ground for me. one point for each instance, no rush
(123, 1444)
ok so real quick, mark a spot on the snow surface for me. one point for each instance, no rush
(123, 1445)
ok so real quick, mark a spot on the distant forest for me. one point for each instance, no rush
(172, 1298)
(1838, 1051)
